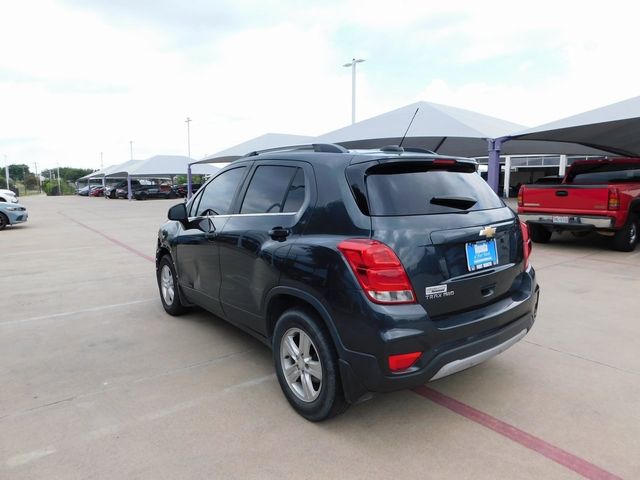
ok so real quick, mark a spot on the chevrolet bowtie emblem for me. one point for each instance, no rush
(488, 232)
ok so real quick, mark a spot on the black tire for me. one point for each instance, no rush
(539, 234)
(330, 397)
(172, 195)
(172, 304)
(626, 239)
(4, 221)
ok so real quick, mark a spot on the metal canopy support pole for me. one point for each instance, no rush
(563, 165)
(189, 182)
(493, 175)
(129, 195)
(507, 175)
(104, 186)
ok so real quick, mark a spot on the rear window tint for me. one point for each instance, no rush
(411, 193)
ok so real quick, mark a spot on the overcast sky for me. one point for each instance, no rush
(82, 77)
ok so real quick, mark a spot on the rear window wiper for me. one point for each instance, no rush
(462, 203)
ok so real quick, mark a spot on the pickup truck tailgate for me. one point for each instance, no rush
(565, 198)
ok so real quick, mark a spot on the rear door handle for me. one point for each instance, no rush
(279, 233)
(562, 193)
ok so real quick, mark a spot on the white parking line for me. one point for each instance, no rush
(46, 252)
(76, 312)
(29, 457)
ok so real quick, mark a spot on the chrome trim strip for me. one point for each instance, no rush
(289, 214)
(597, 222)
(473, 360)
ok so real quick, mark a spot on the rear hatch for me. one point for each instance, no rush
(459, 244)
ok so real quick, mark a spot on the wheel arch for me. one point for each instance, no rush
(634, 206)
(280, 299)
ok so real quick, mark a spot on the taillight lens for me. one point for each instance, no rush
(614, 199)
(444, 161)
(403, 361)
(527, 245)
(378, 270)
(521, 197)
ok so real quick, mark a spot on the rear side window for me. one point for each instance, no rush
(275, 189)
(429, 191)
(218, 194)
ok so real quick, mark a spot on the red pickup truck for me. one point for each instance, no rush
(595, 195)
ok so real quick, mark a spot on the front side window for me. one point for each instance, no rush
(274, 189)
(218, 194)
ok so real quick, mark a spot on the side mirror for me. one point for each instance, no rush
(178, 213)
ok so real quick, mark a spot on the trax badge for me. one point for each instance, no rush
(438, 291)
(488, 232)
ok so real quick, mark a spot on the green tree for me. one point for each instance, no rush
(3, 182)
(31, 182)
(18, 171)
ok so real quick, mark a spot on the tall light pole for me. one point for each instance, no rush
(6, 170)
(101, 161)
(59, 190)
(352, 64)
(188, 121)
(35, 165)
(131, 148)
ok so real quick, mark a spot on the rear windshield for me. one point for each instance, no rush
(414, 193)
(604, 173)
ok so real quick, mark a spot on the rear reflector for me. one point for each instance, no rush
(527, 245)
(614, 199)
(378, 270)
(403, 361)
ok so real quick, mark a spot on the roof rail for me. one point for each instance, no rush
(419, 150)
(316, 147)
(329, 148)
(392, 148)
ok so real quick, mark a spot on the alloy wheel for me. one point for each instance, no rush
(301, 364)
(166, 285)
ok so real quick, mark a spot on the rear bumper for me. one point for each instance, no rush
(575, 222)
(463, 341)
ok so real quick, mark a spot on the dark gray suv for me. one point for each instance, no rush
(363, 271)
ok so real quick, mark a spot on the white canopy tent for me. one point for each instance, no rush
(439, 128)
(447, 131)
(158, 166)
(613, 128)
(263, 142)
(260, 143)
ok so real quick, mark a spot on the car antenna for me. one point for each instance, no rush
(408, 127)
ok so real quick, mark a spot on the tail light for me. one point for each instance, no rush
(378, 270)
(527, 245)
(444, 161)
(403, 361)
(614, 199)
(521, 197)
